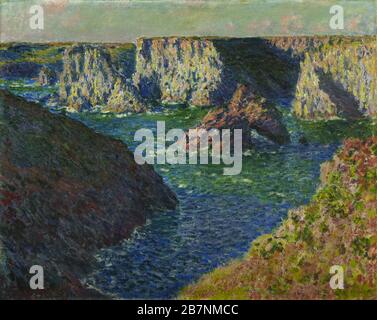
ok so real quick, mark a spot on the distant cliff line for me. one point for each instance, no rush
(322, 77)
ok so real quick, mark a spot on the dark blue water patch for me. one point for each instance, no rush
(175, 248)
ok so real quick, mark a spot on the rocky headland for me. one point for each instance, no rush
(65, 192)
(89, 81)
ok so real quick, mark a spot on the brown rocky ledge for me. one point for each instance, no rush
(248, 111)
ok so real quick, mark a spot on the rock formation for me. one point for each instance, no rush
(47, 76)
(206, 71)
(248, 111)
(65, 192)
(328, 77)
(90, 82)
(338, 79)
(181, 70)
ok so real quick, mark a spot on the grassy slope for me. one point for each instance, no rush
(338, 227)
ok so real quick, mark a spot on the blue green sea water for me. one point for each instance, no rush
(218, 216)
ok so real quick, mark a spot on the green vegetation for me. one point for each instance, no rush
(336, 228)
(44, 55)
(336, 130)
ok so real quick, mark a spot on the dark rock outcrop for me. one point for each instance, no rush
(47, 76)
(65, 192)
(31, 62)
(248, 111)
(16, 70)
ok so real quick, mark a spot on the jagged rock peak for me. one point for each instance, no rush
(89, 81)
(181, 70)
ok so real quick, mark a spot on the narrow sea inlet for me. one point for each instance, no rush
(218, 215)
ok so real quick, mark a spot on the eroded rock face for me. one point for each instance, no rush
(338, 79)
(197, 71)
(180, 70)
(248, 111)
(328, 76)
(89, 81)
(65, 192)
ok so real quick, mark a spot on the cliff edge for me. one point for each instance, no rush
(65, 192)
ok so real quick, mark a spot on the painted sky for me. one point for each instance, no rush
(126, 20)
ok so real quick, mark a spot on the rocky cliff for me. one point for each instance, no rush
(181, 70)
(89, 81)
(198, 71)
(65, 192)
(328, 76)
(206, 71)
(337, 228)
(338, 78)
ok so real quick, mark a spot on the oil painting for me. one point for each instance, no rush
(191, 150)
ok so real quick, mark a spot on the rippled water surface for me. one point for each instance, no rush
(218, 215)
